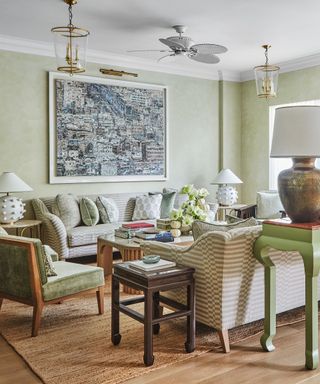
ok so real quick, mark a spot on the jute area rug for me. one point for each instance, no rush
(73, 345)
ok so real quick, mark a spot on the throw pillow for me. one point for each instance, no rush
(201, 227)
(48, 264)
(89, 211)
(68, 210)
(109, 212)
(167, 203)
(147, 207)
(268, 205)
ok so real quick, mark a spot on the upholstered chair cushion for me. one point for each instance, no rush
(147, 207)
(201, 227)
(72, 278)
(67, 208)
(109, 212)
(89, 211)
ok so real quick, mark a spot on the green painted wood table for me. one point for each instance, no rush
(304, 238)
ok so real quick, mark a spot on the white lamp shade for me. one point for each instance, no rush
(9, 182)
(296, 132)
(226, 176)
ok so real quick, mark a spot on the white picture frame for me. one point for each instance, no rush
(63, 168)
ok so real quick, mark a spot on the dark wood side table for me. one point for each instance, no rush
(151, 283)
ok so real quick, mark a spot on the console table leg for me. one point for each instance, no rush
(312, 356)
(269, 297)
(115, 335)
(148, 342)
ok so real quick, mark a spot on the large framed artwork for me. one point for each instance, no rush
(104, 130)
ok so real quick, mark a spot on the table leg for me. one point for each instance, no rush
(269, 299)
(148, 357)
(128, 255)
(105, 258)
(191, 320)
(311, 265)
(115, 297)
(156, 312)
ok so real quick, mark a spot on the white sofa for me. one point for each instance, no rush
(229, 281)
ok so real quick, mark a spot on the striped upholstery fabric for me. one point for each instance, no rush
(229, 280)
(78, 241)
(85, 235)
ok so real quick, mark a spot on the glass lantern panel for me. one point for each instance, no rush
(266, 81)
(71, 51)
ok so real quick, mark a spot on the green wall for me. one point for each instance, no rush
(193, 114)
(294, 86)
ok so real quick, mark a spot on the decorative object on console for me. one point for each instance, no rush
(226, 194)
(296, 134)
(193, 208)
(11, 208)
(113, 72)
(70, 45)
(106, 149)
(266, 77)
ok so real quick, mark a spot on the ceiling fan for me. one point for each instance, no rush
(185, 46)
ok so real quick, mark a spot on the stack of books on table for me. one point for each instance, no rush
(161, 264)
(164, 237)
(124, 233)
(164, 224)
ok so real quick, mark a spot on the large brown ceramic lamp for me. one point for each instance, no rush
(297, 134)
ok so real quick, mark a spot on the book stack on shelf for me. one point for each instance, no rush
(164, 224)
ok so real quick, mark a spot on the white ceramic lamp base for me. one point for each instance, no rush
(11, 209)
(227, 195)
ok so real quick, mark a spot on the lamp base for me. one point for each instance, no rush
(226, 195)
(299, 190)
(11, 209)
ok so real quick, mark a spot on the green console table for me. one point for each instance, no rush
(304, 238)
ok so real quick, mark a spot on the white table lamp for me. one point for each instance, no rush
(226, 194)
(11, 208)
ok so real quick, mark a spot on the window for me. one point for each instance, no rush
(278, 165)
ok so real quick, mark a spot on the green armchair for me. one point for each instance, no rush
(23, 277)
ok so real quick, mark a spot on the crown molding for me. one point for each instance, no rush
(288, 66)
(15, 44)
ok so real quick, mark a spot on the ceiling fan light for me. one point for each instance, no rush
(266, 77)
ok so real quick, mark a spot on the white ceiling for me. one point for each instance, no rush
(292, 27)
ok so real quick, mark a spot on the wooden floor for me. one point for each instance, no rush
(245, 364)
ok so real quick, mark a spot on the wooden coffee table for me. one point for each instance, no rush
(129, 249)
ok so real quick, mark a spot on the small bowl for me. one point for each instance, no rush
(151, 259)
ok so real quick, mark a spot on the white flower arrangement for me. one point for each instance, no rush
(194, 208)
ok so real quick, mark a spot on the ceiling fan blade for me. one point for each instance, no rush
(149, 50)
(205, 58)
(163, 57)
(172, 44)
(209, 49)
